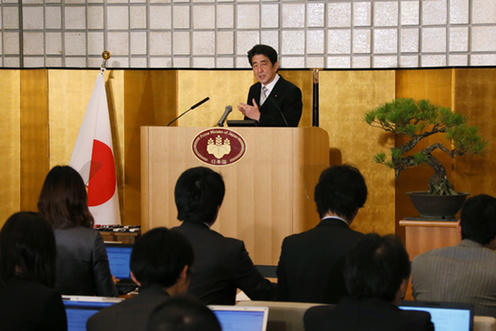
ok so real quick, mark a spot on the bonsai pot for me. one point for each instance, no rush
(437, 206)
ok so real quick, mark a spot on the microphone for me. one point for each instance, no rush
(278, 109)
(224, 116)
(191, 108)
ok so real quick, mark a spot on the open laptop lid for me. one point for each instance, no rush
(241, 318)
(445, 316)
(119, 256)
(80, 308)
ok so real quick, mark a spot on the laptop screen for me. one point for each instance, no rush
(445, 316)
(119, 256)
(241, 318)
(80, 308)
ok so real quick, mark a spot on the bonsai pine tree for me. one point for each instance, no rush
(418, 120)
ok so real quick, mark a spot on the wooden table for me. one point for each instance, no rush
(423, 235)
(121, 237)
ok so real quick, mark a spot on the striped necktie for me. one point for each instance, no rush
(263, 97)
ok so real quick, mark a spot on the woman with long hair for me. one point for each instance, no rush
(28, 300)
(82, 263)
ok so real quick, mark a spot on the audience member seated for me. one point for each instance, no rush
(311, 264)
(376, 272)
(28, 300)
(160, 266)
(466, 272)
(82, 263)
(221, 264)
(183, 313)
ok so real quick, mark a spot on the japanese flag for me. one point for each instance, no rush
(93, 158)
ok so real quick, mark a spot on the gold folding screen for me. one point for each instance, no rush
(42, 111)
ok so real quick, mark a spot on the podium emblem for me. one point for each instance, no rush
(219, 146)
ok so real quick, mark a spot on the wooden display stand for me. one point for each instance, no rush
(269, 191)
(423, 235)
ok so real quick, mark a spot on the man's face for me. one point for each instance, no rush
(263, 69)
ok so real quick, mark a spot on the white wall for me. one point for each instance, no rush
(218, 33)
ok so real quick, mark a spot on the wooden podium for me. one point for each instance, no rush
(269, 191)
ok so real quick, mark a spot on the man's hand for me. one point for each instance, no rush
(252, 112)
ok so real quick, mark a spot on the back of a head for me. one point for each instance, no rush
(342, 190)
(478, 219)
(183, 313)
(199, 192)
(159, 256)
(261, 49)
(376, 267)
(27, 249)
(63, 199)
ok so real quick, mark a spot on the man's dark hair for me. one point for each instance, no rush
(260, 49)
(183, 313)
(376, 267)
(199, 192)
(27, 249)
(159, 256)
(478, 219)
(341, 190)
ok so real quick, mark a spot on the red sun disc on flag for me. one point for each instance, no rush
(101, 186)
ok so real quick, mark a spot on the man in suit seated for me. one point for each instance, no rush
(273, 101)
(376, 271)
(160, 265)
(465, 272)
(221, 264)
(311, 263)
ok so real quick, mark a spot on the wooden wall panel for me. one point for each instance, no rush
(149, 99)
(10, 143)
(35, 148)
(475, 96)
(345, 97)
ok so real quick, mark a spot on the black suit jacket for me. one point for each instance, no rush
(311, 264)
(131, 314)
(367, 314)
(82, 263)
(26, 305)
(221, 266)
(285, 96)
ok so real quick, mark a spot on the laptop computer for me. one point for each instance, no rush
(242, 123)
(241, 318)
(119, 256)
(445, 316)
(80, 308)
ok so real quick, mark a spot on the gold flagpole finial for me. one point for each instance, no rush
(105, 57)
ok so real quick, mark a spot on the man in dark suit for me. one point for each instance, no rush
(273, 101)
(160, 265)
(311, 264)
(221, 264)
(377, 271)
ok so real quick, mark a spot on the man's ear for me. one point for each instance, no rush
(134, 279)
(185, 273)
(276, 65)
(459, 227)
